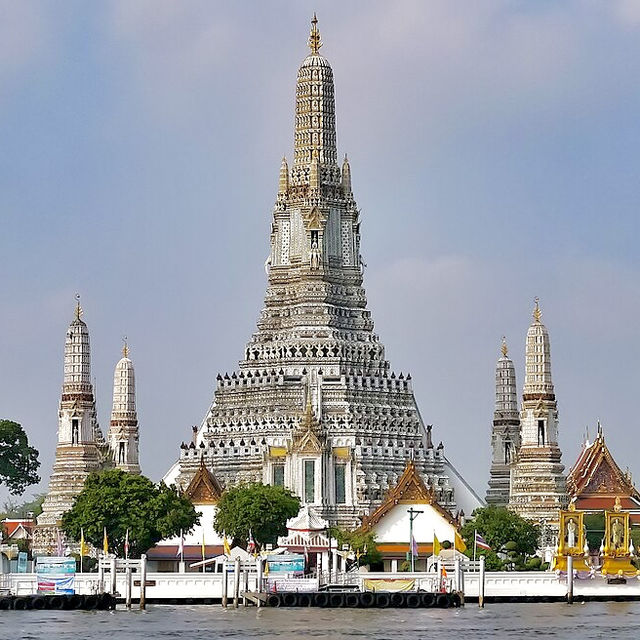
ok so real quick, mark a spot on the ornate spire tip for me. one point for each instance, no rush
(78, 307)
(125, 347)
(537, 314)
(504, 348)
(314, 37)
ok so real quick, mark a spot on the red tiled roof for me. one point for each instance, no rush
(10, 525)
(596, 474)
(191, 552)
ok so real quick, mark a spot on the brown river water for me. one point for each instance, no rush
(615, 621)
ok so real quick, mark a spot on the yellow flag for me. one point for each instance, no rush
(436, 545)
(105, 542)
(225, 545)
(460, 544)
(203, 547)
(83, 544)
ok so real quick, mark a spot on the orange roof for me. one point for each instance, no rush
(410, 489)
(11, 525)
(204, 488)
(596, 474)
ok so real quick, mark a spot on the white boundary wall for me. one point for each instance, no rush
(209, 585)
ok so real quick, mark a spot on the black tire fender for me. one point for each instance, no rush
(273, 600)
(427, 600)
(367, 599)
(413, 600)
(442, 601)
(336, 600)
(397, 599)
(382, 600)
(321, 600)
(351, 600)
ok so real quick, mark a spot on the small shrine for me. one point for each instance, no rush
(572, 541)
(595, 481)
(596, 484)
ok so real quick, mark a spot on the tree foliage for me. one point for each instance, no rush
(510, 537)
(260, 508)
(119, 501)
(18, 461)
(361, 543)
(14, 509)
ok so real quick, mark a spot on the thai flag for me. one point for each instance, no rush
(481, 543)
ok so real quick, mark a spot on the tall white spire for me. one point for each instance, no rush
(123, 428)
(77, 355)
(538, 484)
(80, 448)
(505, 432)
(537, 380)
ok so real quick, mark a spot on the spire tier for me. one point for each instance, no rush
(123, 428)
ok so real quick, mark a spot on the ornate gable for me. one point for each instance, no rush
(204, 488)
(307, 438)
(596, 473)
(410, 489)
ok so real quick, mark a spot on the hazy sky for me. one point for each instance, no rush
(494, 148)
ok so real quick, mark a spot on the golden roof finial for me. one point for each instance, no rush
(314, 37)
(125, 347)
(78, 307)
(537, 314)
(504, 348)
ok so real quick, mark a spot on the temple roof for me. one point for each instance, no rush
(204, 488)
(596, 473)
(410, 489)
(307, 520)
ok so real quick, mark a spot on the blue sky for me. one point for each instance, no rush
(494, 152)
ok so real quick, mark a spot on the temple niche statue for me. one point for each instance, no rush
(617, 552)
(572, 541)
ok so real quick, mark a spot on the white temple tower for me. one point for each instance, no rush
(123, 428)
(315, 405)
(538, 484)
(505, 434)
(81, 448)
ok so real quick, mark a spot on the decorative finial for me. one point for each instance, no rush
(537, 314)
(78, 307)
(125, 347)
(504, 348)
(314, 37)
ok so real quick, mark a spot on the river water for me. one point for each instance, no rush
(615, 620)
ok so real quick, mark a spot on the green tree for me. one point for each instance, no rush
(260, 508)
(13, 509)
(119, 501)
(361, 543)
(506, 533)
(18, 461)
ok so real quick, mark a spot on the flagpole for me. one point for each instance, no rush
(181, 546)
(475, 543)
